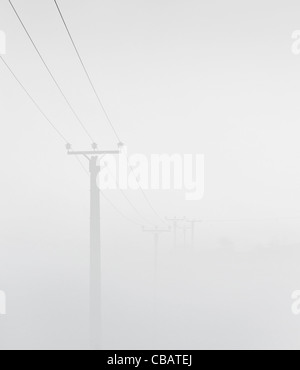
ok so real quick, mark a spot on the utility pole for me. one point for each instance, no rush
(184, 229)
(175, 221)
(193, 225)
(156, 232)
(93, 157)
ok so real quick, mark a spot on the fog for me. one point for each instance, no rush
(177, 77)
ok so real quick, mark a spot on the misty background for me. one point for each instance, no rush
(176, 76)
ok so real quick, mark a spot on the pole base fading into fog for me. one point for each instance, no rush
(95, 241)
(95, 258)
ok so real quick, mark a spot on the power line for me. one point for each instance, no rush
(62, 137)
(107, 199)
(252, 220)
(122, 192)
(82, 165)
(66, 141)
(145, 196)
(124, 195)
(102, 107)
(118, 211)
(128, 200)
(87, 73)
(51, 74)
(34, 102)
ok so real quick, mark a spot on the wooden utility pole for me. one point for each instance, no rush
(184, 229)
(93, 158)
(156, 232)
(176, 221)
(192, 226)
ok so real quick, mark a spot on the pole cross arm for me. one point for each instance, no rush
(94, 152)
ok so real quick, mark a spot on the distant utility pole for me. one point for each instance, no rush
(184, 229)
(156, 232)
(176, 221)
(193, 225)
(93, 158)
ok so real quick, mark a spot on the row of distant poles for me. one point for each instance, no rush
(179, 224)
